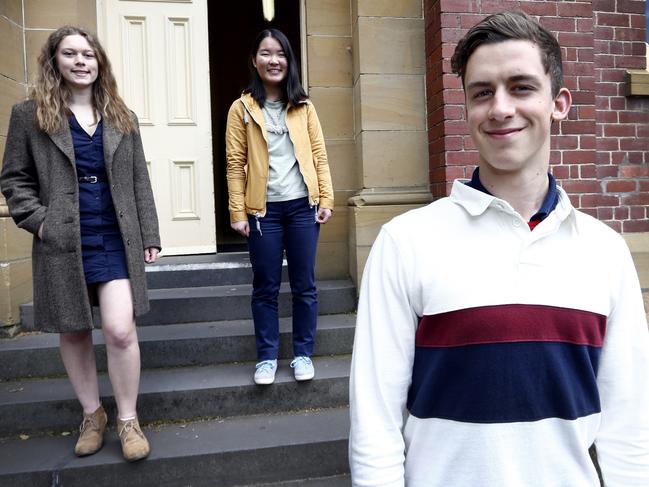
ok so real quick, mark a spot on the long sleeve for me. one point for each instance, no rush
(381, 367)
(144, 200)
(19, 179)
(623, 381)
(236, 152)
(325, 188)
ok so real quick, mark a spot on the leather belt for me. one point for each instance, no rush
(91, 179)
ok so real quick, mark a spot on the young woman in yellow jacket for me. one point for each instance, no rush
(279, 194)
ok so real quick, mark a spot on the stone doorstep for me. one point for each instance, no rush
(39, 406)
(221, 260)
(202, 270)
(229, 302)
(203, 343)
(228, 452)
(181, 305)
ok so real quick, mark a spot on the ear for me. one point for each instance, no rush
(561, 104)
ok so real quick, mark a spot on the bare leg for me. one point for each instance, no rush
(122, 348)
(78, 357)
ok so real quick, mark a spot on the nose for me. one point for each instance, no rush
(501, 106)
(78, 59)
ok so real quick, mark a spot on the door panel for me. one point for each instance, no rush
(159, 53)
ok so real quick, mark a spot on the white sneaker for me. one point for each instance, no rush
(265, 373)
(302, 368)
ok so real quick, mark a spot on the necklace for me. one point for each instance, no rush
(275, 126)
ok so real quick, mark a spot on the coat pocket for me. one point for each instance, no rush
(59, 235)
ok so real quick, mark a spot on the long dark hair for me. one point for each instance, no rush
(292, 89)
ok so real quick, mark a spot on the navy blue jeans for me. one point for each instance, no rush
(287, 226)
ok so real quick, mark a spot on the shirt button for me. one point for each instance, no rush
(516, 222)
(128, 242)
(121, 214)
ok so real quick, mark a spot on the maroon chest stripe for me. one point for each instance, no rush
(511, 323)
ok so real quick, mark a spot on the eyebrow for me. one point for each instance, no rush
(513, 79)
(90, 49)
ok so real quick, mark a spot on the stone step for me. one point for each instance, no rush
(201, 270)
(186, 344)
(232, 302)
(42, 406)
(334, 481)
(226, 453)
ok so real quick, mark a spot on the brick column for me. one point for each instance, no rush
(622, 121)
(389, 118)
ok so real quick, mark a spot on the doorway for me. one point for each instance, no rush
(157, 50)
(232, 28)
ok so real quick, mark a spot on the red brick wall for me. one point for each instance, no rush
(601, 154)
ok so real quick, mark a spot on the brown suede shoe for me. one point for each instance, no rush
(91, 433)
(134, 444)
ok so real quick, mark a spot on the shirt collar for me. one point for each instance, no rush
(549, 202)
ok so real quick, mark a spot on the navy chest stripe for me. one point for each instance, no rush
(505, 382)
(511, 323)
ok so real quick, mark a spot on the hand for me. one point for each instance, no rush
(40, 232)
(150, 254)
(242, 228)
(324, 214)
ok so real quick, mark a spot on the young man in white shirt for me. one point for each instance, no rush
(500, 331)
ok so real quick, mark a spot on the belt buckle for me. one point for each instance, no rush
(92, 179)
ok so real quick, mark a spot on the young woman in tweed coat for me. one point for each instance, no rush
(74, 175)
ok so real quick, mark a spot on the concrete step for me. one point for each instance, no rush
(231, 302)
(225, 453)
(201, 270)
(203, 343)
(41, 406)
(334, 481)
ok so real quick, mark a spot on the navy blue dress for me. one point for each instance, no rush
(102, 248)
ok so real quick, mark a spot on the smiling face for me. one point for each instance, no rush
(510, 108)
(271, 64)
(77, 62)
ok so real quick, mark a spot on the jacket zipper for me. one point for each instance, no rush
(312, 202)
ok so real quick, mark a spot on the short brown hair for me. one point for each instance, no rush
(506, 26)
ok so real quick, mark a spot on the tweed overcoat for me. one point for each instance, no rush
(39, 181)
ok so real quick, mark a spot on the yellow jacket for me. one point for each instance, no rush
(246, 150)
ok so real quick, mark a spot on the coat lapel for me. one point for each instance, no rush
(62, 138)
(251, 106)
(111, 139)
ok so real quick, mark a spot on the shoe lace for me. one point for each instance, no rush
(264, 366)
(129, 426)
(88, 421)
(297, 361)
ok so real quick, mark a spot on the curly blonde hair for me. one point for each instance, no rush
(52, 95)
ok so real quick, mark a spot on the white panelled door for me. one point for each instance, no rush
(159, 53)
